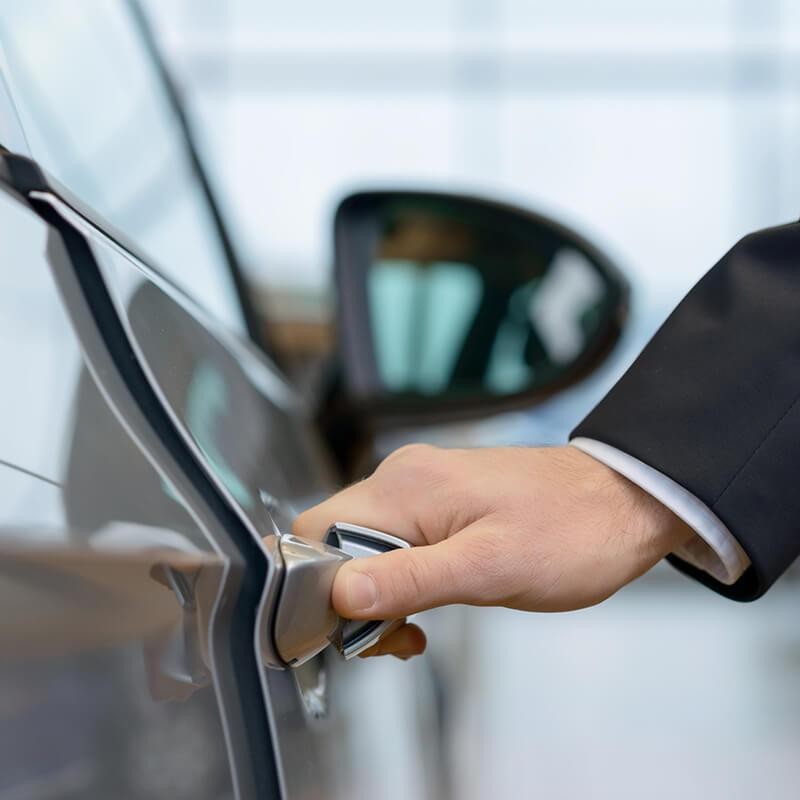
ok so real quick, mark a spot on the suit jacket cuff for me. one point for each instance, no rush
(714, 550)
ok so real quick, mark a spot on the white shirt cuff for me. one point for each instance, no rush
(714, 549)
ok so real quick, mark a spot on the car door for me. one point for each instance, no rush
(123, 582)
(128, 188)
(248, 434)
(126, 500)
(246, 430)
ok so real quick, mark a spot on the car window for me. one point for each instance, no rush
(97, 118)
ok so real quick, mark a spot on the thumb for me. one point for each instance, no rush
(401, 582)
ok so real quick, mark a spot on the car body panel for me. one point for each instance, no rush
(250, 434)
(88, 514)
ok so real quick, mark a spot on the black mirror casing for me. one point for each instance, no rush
(488, 266)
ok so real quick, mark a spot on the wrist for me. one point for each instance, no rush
(647, 530)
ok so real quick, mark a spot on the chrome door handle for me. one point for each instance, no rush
(304, 621)
(355, 636)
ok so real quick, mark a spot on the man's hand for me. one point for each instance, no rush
(538, 529)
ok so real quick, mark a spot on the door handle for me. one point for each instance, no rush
(304, 621)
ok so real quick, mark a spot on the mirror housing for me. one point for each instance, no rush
(454, 307)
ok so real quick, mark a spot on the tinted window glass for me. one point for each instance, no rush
(97, 118)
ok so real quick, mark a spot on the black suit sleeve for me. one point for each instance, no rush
(713, 402)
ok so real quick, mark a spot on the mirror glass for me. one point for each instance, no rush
(464, 300)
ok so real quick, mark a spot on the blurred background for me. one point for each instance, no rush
(663, 131)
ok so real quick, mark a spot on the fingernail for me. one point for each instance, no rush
(361, 591)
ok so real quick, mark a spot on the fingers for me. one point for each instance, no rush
(400, 498)
(360, 504)
(404, 642)
(403, 582)
(418, 494)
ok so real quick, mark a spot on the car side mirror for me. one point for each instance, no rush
(454, 307)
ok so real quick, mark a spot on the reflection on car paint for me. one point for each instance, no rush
(206, 403)
(88, 631)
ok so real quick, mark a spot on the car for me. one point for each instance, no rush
(161, 636)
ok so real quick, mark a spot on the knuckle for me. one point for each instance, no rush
(413, 466)
(416, 579)
(302, 521)
(412, 581)
(411, 454)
